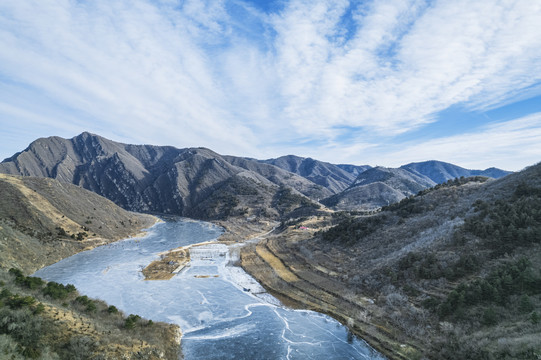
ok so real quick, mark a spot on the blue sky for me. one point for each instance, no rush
(362, 82)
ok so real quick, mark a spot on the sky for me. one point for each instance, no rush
(384, 82)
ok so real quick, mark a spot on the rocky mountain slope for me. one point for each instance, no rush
(43, 220)
(189, 182)
(440, 172)
(354, 169)
(333, 177)
(453, 272)
(377, 187)
(380, 186)
(200, 183)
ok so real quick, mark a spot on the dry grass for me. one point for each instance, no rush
(169, 264)
(276, 264)
(40, 204)
(33, 210)
(71, 324)
(303, 284)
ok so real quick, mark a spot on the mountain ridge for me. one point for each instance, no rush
(396, 184)
(160, 179)
(440, 172)
(331, 176)
(165, 179)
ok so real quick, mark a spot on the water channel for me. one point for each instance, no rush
(222, 311)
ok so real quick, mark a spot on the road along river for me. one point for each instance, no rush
(222, 311)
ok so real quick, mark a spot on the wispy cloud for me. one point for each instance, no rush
(407, 61)
(510, 145)
(241, 80)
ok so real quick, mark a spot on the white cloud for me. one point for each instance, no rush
(196, 73)
(408, 61)
(510, 145)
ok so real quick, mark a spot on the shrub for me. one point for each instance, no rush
(131, 321)
(525, 305)
(5, 293)
(535, 318)
(490, 317)
(39, 309)
(80, 347)
(17, 301)
(87, 302)
(91, 307)
(16, 272)
(58, 291)
(513, 278)
(30, 282)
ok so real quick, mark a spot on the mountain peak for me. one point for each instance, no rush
(440, 172)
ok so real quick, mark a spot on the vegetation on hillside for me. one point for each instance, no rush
(40, 320)
(506, 224)
(455, 271)
(286, 201)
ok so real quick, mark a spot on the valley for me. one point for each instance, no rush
(270, 180)
(420, 261)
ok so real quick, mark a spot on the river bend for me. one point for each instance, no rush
(222, 311)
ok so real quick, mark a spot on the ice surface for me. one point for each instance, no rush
(223, 312)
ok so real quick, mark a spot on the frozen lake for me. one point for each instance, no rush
(222, 311)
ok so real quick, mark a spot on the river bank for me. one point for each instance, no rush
(301, 283)
(295, 283)
(222, 311)
(239, 231)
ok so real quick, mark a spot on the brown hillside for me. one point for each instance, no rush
(43, 221)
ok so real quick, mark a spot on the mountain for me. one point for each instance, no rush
(377, 187)
(281, 176)
(451, 273)
(194, 182)
(43, 220)
(394, 184)
(440, 172)
(198, 182)
(333, 177)
(364, 198)
(354, 169)
(399, 179)
(492, 172)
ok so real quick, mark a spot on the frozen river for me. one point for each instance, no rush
(223, 312)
